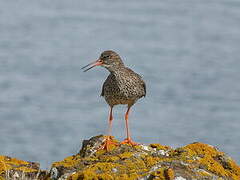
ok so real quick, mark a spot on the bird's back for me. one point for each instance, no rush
(123, 86)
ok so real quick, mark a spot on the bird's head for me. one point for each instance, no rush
(108, 59)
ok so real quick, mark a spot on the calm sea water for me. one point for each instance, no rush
(187, 52)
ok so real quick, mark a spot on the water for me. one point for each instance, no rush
(188, 54)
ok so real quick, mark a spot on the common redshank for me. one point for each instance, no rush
(122, 86)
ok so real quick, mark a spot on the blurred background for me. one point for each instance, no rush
(187, 52)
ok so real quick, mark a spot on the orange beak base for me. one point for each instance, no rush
(93, 64)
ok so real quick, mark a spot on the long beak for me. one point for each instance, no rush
(93, 64)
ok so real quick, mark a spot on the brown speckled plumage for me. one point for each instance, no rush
(122, 86)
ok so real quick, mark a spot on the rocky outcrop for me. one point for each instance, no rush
(12, 168)
(155, 161)
(195, 161)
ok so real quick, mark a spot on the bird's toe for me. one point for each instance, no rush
(108, 144)
(129, 141)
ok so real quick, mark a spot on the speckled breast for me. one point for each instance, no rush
(122, 88)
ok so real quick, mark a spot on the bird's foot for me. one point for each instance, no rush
(108, 144)
(129, 141)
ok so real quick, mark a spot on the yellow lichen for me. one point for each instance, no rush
(125, 155)
(169, 174)
(163, 174)
(10, 165)
(150, 161)
(25, 169)
(126, 162)
(109, 158)
(3, 166)
(67, 162)
(203, 174)
(96, 171)
(134, 165)
(160, 147)
(89, 175)
(100, 152)
(12, 161)
(206, 156)
(158, 174)
(7, 163)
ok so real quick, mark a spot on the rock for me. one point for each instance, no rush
(142, 162)
(15, 169)
(195, 161)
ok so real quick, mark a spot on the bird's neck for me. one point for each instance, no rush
(115, 69)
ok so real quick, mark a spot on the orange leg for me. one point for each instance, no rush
(108, 141)
(128, 140)
(110, 122)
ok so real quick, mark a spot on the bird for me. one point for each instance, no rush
(122, 87)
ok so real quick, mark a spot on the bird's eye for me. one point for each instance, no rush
(106, 56)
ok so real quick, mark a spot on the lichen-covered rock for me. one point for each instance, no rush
(194, 161)
(12, 168)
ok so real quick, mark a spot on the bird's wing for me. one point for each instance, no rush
(140, 77)
(107, 81)
(102, 93)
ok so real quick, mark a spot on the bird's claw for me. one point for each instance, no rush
(108, 143)
(129, 141)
